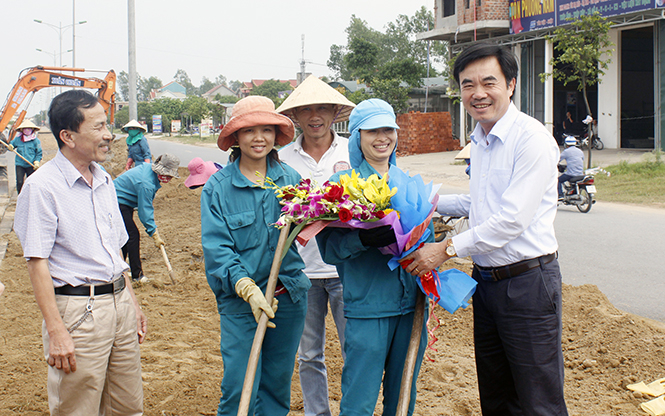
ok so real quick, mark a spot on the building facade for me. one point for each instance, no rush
(626, 102)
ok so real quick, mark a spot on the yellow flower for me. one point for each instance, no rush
(378, 192)
(353, 185)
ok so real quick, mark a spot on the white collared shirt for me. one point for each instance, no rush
(513, 193)
(335, 159)
(78, 228)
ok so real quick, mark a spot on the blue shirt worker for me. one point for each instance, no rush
(574, 157)
(317, 154)
(27, 144)
(511, 208)
(138, 151)
(379, 303)
(136, 189)
(239, 240)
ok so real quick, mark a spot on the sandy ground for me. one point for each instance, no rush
(604, 348)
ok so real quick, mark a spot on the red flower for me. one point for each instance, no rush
(334, 194)
(345, 215)
(380, 214)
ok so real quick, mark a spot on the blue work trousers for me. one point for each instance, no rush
(376, 350)
(271, 394)
(311, 352)
(517, 336)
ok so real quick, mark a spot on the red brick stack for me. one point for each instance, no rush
(425, 133)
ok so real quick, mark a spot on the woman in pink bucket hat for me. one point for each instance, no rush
(200, 172)
(239, 242)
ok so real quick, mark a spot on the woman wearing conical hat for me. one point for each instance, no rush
(27, 145)
(138, 151)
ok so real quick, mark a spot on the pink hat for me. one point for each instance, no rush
(199, 172)
(255, 111)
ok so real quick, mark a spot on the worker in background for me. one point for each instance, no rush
(27, 145)
(200, 172)
(136, 188)
(138, 151)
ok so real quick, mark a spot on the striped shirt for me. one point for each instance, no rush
(79, 228)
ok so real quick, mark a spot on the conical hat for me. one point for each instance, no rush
(134, 124)
(464, 153)
(27, 124)
(314, 91)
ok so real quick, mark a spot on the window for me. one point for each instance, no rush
(448, 7)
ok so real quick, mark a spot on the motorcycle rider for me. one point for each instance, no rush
(574, 158)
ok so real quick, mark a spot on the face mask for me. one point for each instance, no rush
(27, 132)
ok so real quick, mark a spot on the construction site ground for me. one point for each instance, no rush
(604, 348)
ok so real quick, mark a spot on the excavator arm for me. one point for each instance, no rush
(34, 79)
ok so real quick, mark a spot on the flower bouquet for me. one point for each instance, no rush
(403, 202)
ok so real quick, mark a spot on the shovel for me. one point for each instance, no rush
(252, 363)
(18, 154)
(168, 264)
(411, 355)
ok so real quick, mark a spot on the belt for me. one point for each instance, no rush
(504, 272)
(84, 290)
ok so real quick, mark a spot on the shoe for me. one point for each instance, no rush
(142, 279)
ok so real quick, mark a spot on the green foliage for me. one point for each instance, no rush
(183, 79)
(236, 85)
(146, 85)
(406, 70)
(396, 44)
(640, 183)
(271, 89)
(362, 59)
(580, 48)
(121, 117)
(226, 98)
(206, 85)
(123, 85)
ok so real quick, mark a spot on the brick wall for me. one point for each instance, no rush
(488, 10)
(425, 133)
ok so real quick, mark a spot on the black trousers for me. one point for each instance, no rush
(517, 337)
(133, 246)
(21, 174)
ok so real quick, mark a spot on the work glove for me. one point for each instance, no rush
(250, 292)
(128, 166)
(655, 407)
(158, 240)
(377, 237)
(10, 146)
(36, 163)
(655, 388)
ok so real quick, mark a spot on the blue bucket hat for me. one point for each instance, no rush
(368, 115)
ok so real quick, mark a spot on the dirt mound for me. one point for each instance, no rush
(604, 348)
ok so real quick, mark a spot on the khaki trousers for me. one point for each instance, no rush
(107, 380)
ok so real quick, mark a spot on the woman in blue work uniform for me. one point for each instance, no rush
(239, 242)
(138, 151)
(27, 144)
(379, 303)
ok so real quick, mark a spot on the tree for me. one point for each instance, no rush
(362, 59)
(123, 85)
(581, 47)
(182, 78)
(271, 89)
(197, 108)
(236, 85)
(206, 85)
(220, 80)
(146, 85)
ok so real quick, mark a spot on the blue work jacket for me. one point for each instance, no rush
(239, 238)
(139, 152)
(136, 188)
(31, 150)
(371, 289)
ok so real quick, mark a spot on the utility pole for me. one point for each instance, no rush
(302, 61)
(131, 26)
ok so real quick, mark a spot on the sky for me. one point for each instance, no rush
(242, 40)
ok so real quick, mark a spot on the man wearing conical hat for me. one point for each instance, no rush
(316, 154)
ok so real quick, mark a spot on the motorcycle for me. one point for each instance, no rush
(583, 141)
(579, 190)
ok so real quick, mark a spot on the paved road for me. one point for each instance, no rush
(188, 152)
(618, 248)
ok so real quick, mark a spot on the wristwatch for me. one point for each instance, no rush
(450, 249)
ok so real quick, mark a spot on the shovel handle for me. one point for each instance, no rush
(18, 154)
(252, 363)
(168, 263)
(411, 355)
